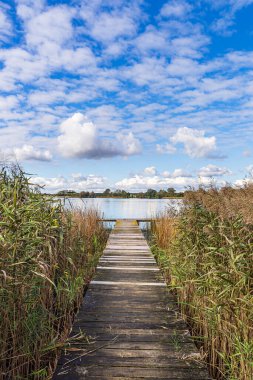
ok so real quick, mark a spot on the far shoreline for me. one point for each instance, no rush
(111, 197)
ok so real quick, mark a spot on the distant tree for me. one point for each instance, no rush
(67, 192)
(84, 194)
(121, 193)
(162, 193)
(151, 193)
(171, 191)
(107, 192)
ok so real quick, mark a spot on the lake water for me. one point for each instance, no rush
(132, 208)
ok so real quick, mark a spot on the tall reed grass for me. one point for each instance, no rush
(47, 257)
(207, 255)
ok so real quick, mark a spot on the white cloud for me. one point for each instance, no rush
(21, 66)
(29, 152)
(233, 5)
(147, 72)
(213, 171)
(196, 144)
(142, 183)
(130, 144)
(239, 4)
(166, 174)
(26, 9)
(165, 148)
(184, 67)
(79, 138)
(225, 25)
(151, 39)
(50, 45)
(191, 46)
(175, 8)
(179, 179)
(243, 182)
(151, 170)
(53, 25)
(176, 173)
(180, 173)
(5, 23)
(108, 27)
(8, 102)
(76, 182)
(113, 24)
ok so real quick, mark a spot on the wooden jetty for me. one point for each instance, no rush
(131, 319)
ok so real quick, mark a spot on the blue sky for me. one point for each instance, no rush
(127, 94)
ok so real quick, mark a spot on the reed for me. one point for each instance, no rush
(47, 257)
(207, 256)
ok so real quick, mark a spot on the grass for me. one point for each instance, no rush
(207, 256)
(48, 255)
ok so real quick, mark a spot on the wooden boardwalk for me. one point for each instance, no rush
(131, 318)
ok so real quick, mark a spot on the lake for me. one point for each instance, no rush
(118, 208)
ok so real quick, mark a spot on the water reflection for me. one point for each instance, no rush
(112, 208)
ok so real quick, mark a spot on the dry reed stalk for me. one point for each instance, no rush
(209, 261)
(47, 257)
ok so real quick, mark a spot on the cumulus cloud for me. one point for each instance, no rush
(79, 138)
(180, 173)
(243, 182)
(179, 179)
(141, 183)
(166, 148)
(176, 173)
(29, 152)
(213, 171)
(151, 178)
(76, 182)
(196, 144)
(151, 170)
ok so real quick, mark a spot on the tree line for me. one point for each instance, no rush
(108, 193)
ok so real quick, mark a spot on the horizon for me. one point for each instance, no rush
(127, 95)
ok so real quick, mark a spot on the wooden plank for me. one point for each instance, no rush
(131, 318)
(128, 283)
(98, 371)
(129, 269)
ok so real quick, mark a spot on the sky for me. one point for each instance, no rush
(127, 94)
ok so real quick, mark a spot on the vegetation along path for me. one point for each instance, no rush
(131, 320)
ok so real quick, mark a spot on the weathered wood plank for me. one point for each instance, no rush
(98, 371)
(131, 319)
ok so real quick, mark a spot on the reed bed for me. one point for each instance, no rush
(48, 255)
(207, 256)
